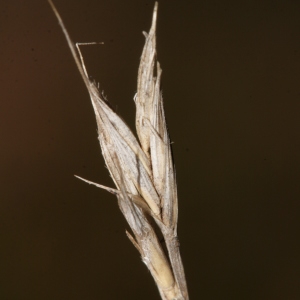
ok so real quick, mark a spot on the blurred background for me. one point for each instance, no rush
(230, 81)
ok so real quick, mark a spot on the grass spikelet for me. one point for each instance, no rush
(142, 169)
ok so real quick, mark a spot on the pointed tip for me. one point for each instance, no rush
(51, 3)
(71, 46)
(53, 7)
(154, 17)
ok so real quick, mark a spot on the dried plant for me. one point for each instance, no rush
(143, 171)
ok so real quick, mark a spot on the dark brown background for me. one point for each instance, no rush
(231, 88)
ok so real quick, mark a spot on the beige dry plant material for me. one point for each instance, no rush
(143, 171)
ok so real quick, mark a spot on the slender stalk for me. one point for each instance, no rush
(142, 170)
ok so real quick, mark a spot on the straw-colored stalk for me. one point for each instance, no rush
(142, 170)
